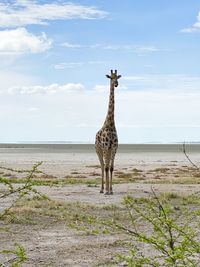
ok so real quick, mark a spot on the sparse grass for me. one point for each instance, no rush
(125, 176)
(5, 229)
(131, 176)
(106, 263)
(196, 174)
(92, 185)
(41, 181)
(169, 195)
(174, 180)
(75, 212)
(85, 219)
(17, 255)
(93, 166)
(94, 174)
(8, 175)
(162, 170)
(75, 172)
(88, 219)
(193, 199)
(135, 170)
(112, 207)
(184, 175)
(94, 220)
(80, 176)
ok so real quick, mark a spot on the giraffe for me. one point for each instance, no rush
(106, 139)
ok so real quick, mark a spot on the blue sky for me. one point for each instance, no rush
(55, 54)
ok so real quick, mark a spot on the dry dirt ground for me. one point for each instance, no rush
(60, 232)
(50, 241)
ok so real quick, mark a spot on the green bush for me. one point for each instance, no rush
(17, 255)
(162, 234)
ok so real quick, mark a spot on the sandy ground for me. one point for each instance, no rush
(62, 162)
(58, 245)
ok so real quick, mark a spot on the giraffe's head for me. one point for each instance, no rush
(114, 78)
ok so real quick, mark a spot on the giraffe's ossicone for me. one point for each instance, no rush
(106, 138)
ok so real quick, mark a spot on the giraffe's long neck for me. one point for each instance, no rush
(110, 118)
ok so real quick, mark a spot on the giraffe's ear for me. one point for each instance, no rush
(108, 76)
(119, 76)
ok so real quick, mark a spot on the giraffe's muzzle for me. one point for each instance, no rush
(116, 84)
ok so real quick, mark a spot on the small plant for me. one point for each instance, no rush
(17, 255)
(188, 158)
(173, 242)
(20, 191)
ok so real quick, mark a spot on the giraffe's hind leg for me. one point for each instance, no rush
(111, 173)
(111, 176)
(107, 155)
(107, 180)
(100, 156)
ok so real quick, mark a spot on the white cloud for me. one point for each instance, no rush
(134, 78)
(145, 49)
(135, 48)
(41, 90)
(72, 65)
(68, 65)
(68, 45)
(9, 79)
(105, 88)
(33, 109)
(20, 13)
(18, 41)
(101, 88)
(168, 116)
(194, 27)
(140, 49)
(163, 82)
(189, 30)
(96, 62)
(141, 115)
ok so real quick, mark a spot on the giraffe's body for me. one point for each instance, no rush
(106, 139)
